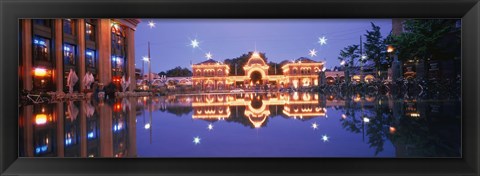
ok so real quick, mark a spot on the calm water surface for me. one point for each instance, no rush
(243, 125)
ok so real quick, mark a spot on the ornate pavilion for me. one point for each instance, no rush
(214, 75)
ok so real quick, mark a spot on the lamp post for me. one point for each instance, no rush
(147, 59)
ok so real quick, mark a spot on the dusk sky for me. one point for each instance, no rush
(286, 39)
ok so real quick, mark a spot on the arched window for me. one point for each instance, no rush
(119, 54)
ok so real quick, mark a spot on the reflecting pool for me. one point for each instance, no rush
(294, 124)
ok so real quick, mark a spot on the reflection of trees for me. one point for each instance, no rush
(435, 135)
(179, 110)
(421, 137)
(378, 126)
(376, 129)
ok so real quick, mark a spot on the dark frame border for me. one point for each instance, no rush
(11, 11)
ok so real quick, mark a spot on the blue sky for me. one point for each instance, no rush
(280, 39)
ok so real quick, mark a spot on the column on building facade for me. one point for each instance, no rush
(104, 51)
(81, 51)
(132, 131)
(83, 131)
(26, 69)
(58, 44)
(60, 130)
(106, 134)
(28, 130)
(131, 58)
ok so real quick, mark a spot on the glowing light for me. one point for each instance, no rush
(40, 72)
(314, 125)
(146, 59)
(323, 69)
(196, 140)
(147, 126)
(41, 149)
(312, 53)
(90, 135)
(210, 127)
(151, 24)
(325, 138)
(39, 42)
(366, 120)
(194, 43)
(255, 54)
(390, 48)
(364, 57)
(208, 55)
(322, 40)
(344, 116)
(342, 63)
(40, 119)
(415, 115)
(392, 129)
(89, 53)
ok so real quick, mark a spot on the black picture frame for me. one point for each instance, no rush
(11, 11)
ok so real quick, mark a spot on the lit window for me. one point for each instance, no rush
(69, 54)
(89, 31)
(90, 58)
(68, 26)
(41, 49)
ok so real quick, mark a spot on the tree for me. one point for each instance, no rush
(434, 39)
(179, 72)
(375, 47)
(162, 73)
(350, 52)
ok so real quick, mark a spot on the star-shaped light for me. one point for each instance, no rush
(210, 127)
(314, 125)
(194, 43)
(342, 62)
(209, 55)
(322, 40)
(146, 59)
(312, 53)
(196, 140)
(151, 24)
(325, 138)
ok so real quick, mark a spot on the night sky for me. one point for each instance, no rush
(230, 38)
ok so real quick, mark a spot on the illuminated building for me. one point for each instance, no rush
(303, 72)
(210, 75)
(49, 48)
(214, 75)
(256, 108)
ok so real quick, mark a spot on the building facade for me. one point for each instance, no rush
(52, 48)
(214, 75)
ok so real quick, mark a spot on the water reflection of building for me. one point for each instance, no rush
(256, 108)
(214, 75)
(49, 48)
(78, 129)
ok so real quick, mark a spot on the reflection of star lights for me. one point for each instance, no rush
(151, 24)
(325, 138)
(210, 127)
(209, 55)
(194, 43)
(196, 140)
(312, 53)
(314, 125)
(322, 40)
